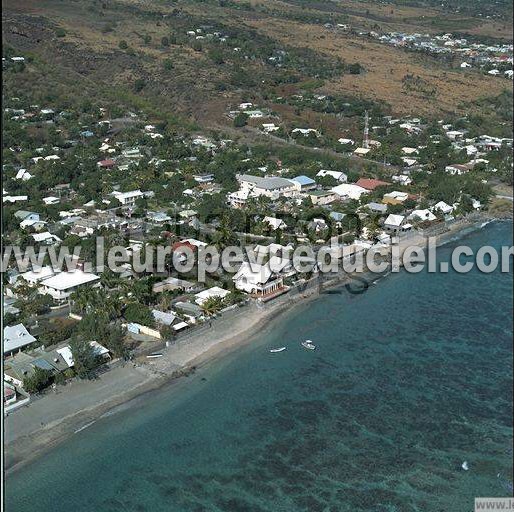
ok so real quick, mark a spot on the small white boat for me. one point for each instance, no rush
(281, 349)
(465, 466)
(308, 345)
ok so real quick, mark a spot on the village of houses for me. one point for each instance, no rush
(147, 187)
(493, 59)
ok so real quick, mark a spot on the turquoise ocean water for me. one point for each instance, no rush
(410, 379)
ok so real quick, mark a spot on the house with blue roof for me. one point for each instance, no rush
(304, 183)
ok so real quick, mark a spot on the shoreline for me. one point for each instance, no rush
(196, 351)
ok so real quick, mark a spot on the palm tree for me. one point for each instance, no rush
(212, 305)
(109, 279)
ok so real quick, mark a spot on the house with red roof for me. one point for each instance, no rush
(371, 183)
(108, 163)
(177, 246)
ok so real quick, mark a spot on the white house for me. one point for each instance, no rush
(257, 279)
(349, 190)
(274, 223)
(422, 215)
(361, 151)
(128, 198)
(395, 224)
(37, 274)
(272, 187)
(51, 200)
(23, 175)
(306, 131)
(62, 285)
(402, 178)
(455, 134)
(444, 208)
(45, 238)
(67, 355)
(14, 199)
(16, 337)
(205, 295)
(270, 127)
(338, 175)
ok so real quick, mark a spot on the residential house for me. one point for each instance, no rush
(173, 284)
(16, 337)
(37, 274)
(203, 178)
(191, 311)
(377, 207)
(23, 175)
(402, 179)
(14, 199)
(99, 351)
(128, 198)
(107, 163)
(442, 207)
(257, 279)
(322, 197)
(169, 319)
(51, 200)
(272, 187)
(349, 191)
(304, 183)
(158, 217)
(45, 238)
(458, 169)
(274, 223)
(361, 151)
(396, 224)
(24, 215)
(422, 215)
(338, 175)
(371, 183)
(395, 197)
(214, 292)
(62, 285)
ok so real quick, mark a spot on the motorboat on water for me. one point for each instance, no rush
(274, 350)
(308, 344)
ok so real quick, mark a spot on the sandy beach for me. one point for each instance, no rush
(48, 420)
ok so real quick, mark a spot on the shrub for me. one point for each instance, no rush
(38, 381)
(123, 45)
(240, 120)
(139, 85)
(354, 69)
(139, 314)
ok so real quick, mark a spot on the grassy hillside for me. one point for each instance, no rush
(139, 53)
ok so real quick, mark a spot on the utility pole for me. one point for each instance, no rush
(365, 142)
